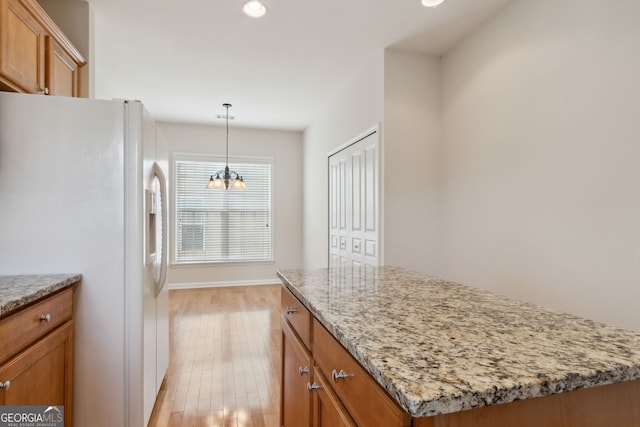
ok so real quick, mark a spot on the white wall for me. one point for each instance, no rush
(541, 183)
(358, 107)
(400, 92)
(411, 150)
(285, 148)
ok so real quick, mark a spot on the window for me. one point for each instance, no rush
(222, 225)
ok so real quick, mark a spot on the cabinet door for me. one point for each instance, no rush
(327, 409)
(42, 374)
(61, 71)
(296, 374)
(21, 49)
(354, 204)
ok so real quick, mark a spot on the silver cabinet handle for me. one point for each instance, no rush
(45, 91)
(45, 317)
(5, 385)
(313, 386)
(291, 310)
(339, 375)
(303, 371)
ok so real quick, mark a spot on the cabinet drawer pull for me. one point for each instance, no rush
(339, 375)
(313, 386)
(45, 317)
(5, 385)
(303, 370)
(291, 310)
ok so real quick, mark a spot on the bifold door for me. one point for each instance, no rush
(354, 204)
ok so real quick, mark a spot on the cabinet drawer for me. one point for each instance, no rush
(22, 328)
(363, 397)
(297, 315)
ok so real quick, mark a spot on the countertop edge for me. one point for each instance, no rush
(40, 286)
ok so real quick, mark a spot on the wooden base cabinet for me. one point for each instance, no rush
(35, 56)
(296, 377)
(308, 399)
(36, 355)
(614, 405)
(39, 375)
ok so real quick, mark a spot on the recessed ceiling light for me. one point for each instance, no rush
(254, 9)
(432, 3)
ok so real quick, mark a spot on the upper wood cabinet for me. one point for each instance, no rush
(22, 50)
(62, 72)
(35, 56)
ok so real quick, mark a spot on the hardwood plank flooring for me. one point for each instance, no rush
(224, 367)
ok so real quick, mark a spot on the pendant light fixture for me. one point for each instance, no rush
(227, 178)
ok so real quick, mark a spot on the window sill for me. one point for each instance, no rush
(220, 263)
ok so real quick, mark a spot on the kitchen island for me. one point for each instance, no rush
(448, 354)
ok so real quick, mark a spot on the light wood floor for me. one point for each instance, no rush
(225, 359)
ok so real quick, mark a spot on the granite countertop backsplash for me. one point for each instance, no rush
(18, 291)
(439, 347)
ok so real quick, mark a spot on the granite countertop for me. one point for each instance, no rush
(18, 291)
(439, 347)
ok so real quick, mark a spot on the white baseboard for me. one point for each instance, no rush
(199, 285)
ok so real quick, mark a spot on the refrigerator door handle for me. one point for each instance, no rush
(162, 278)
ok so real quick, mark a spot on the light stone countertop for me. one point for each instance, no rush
(439, 347)
(18, 291)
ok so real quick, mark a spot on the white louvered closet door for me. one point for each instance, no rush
(354, 204)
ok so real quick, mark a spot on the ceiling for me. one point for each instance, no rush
(185, 58)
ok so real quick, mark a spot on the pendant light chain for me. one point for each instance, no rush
(227, 178)
(227, 107)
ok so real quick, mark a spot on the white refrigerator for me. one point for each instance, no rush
(82, 191)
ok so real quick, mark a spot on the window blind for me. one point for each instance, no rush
(214, 225)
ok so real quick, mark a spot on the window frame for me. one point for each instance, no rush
(200, 157)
